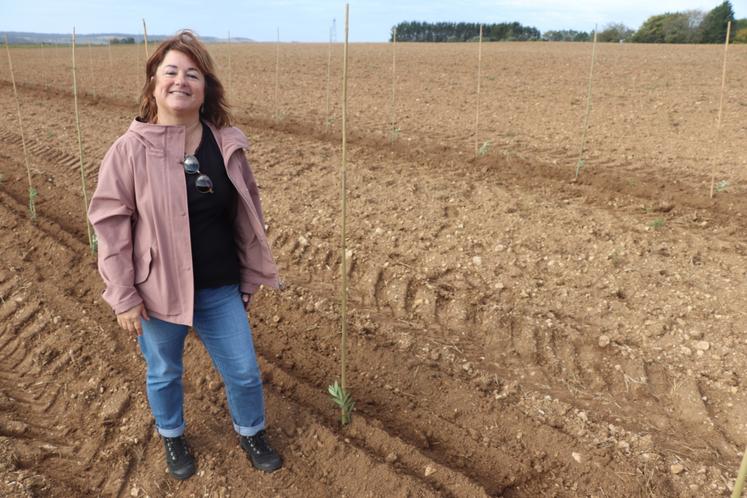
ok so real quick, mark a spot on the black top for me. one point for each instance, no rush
(211, 218)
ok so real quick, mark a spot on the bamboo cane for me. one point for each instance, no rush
(277, 76)
(345, 413)
(111, 67)
(329, 72)
(477, 105)
(46, 65)
(739, 484)
(721, 103)
(228, 90)
(91, 241)
(393, 120)
(580, 162)
(32, 190)
(138, 81)
(145, 39)
(90, 66)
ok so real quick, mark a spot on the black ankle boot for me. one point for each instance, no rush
(178, 458)
(259, 451)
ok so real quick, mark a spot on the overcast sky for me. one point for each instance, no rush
(310, 20)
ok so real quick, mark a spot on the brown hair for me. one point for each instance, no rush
(215, 109)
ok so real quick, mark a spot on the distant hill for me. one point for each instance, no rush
(21, 37)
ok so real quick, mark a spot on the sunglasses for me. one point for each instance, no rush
(203, 183)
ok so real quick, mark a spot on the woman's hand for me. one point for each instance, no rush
(130, 319)
(246, 299)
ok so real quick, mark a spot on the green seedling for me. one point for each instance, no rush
(722, 185)
(32, 202)
(657, 223)
(616, 259)
(579, 166)
(342, 399)
(394, 134)
(484, 148)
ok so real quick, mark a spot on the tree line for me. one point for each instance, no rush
(122, 41)
(690, 26)
(417, 31)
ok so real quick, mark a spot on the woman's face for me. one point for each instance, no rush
(179, 88)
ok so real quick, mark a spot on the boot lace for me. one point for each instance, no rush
(177, 447)
(258, 444)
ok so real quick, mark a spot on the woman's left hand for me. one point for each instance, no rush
(246, 299)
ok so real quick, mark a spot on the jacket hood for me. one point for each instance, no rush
(154, 135)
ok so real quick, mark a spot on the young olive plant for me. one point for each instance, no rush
(340, 396)
(32, 190)
(394, 134)
(32, 202)
(484, 148)
(580, 163)
(80, 150)
(657, 223)
(343, 400)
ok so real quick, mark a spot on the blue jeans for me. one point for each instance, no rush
(221, 323)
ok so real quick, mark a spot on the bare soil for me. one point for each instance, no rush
(514, 332)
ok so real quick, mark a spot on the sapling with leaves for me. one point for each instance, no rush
(484, 148)
(340, 395)
(721, 102)
(32, 190)
(343, 400)
(393, 128)
(477, 100)
(581, 161)
(328, 120)
(91, 236)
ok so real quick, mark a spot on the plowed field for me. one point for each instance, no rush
(513, 332)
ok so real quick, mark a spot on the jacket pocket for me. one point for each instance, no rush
(142, 266)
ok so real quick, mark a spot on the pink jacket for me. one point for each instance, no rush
(139, 213)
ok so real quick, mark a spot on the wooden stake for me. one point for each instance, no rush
(145, 39)
(45, 72)
(138, 82)
(111, 67)
(32, 190)
(228, 90)
(90, 64)
(721, 103)
(343, 254)
(477, 105)
(739, 484)
(580, 162)
(393, 121)
(91, 241)
(277, 76)
(327, 119)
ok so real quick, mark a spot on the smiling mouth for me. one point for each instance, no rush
(179, 92)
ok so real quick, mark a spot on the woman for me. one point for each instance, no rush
(181, 243)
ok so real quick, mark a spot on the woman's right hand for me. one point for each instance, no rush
(130, 319)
